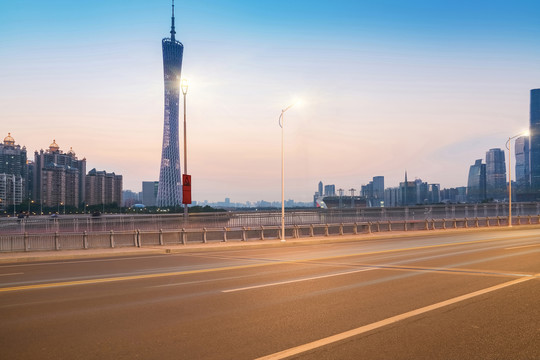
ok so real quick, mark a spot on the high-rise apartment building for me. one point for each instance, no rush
(13, 173)
(170, 185)
(534, 159)
(320, 189)
(103, 188)
(59, 179)
(476, 185)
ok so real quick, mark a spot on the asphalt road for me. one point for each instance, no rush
(444, 295)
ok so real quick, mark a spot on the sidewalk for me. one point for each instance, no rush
(23, 257)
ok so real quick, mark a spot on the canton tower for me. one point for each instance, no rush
(169, 188)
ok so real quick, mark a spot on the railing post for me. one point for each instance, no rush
(85, 239)
(341, 229)
(455, 223)
(296, 231)
(26, 247)
(498, 221)
(405, 225)
(111, 238)
(389, 226)
(311, 232)
(369, 227)
(204, 235)
(244, 234)
(183, 236)
(476, 222)
(326, 233)
(466, 223)
(161, 237)
(518, 220)
(139, 240)
(487, 222)
(427, 225)
(224, 234)
(355, 228)
(262, 232)
(56, 241)
(444, 224)
(135, 240)
(433, 224)
(529, 222)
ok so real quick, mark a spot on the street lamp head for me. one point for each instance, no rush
(527, 133)
(184, 86)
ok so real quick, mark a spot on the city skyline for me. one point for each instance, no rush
(386, 87)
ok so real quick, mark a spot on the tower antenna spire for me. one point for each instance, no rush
(172, 23)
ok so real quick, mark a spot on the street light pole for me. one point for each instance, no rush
(282, 125)
(184, 86)
(509, 147)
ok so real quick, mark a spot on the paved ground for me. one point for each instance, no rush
(429, 295)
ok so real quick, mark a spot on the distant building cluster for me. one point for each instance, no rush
(374, 194)
(487, 181)
(53, 179)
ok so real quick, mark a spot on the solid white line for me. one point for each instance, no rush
(354, 332)
(11, 274)
(520, 247)
(297, 280)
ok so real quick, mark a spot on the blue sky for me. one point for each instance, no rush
(387, 86)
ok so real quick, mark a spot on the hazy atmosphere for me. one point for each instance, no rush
(386, 86)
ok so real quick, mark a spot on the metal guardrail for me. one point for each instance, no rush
(238, 219)
(162, 237)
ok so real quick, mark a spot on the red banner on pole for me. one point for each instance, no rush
(186, 189)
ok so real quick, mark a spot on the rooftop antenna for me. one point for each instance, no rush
(172, 23)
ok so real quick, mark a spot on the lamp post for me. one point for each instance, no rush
(282, 125)
(509, 147)
(184, 86)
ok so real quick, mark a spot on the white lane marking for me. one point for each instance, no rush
(521, 247)
(363, 329)
(295, 281)
(11, 274)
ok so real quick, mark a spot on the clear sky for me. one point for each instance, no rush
(426, 86)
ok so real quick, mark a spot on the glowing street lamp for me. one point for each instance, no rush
(509, 147)
(282, 124)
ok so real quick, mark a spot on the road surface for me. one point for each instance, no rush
(443, 295)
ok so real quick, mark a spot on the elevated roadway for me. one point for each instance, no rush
(443, 295)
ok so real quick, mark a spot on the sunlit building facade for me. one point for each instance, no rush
(58, 178)
(103, 188)
(170, 180)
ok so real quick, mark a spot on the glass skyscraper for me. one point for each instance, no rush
(495, 174)
(476, 185)
(522, 162)
(170, 183)
(534, 145)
